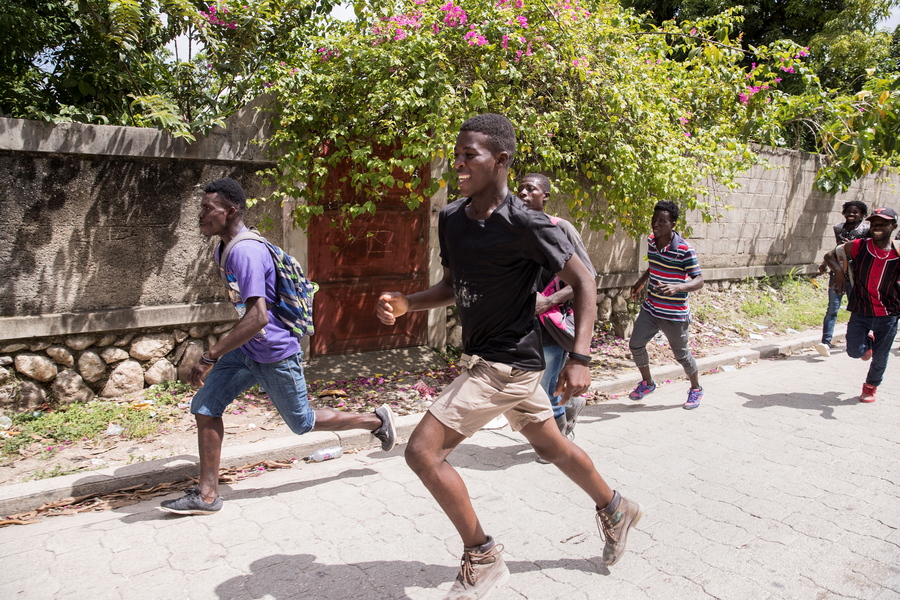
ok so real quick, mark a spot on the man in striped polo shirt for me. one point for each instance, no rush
(874, 299)
(673, 272)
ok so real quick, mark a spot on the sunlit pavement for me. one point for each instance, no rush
(781, 485)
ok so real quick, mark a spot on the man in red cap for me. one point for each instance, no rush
(874, 299)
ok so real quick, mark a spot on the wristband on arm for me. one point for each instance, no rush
(580, 357)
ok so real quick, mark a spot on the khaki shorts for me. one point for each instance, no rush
(485, 390)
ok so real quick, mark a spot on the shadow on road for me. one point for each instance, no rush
(141, 514)
(607, 411)
(824, 402)
(285, 576)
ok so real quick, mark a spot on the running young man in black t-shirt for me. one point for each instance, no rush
(492, 251)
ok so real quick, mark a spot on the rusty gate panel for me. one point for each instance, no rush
(387, 251)
(353, 269)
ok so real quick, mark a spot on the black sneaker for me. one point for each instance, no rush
(191, 504)
(386, 433)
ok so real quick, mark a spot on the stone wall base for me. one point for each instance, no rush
(108, 364)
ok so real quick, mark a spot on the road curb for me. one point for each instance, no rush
(24, 497)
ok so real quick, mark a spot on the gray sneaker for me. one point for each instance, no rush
(614, 528)
(191, 504)
(573, 408)
(386, 433)
(480, 573)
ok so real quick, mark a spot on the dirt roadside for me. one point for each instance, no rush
(252, 418)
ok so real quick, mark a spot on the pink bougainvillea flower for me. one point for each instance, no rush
(455, 16)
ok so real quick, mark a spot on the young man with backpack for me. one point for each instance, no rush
(874, 299)
(262, 348)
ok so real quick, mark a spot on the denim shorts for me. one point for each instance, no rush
(283, 381)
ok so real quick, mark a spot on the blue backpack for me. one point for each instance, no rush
(294, 306)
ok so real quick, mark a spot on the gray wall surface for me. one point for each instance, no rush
(100, 220)
(89, 233)
(773, 223)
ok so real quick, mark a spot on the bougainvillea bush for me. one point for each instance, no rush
(619, 114)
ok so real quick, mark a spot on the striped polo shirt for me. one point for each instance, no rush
(676, 263)
(875, 272)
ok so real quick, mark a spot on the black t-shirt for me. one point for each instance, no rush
(495, 264)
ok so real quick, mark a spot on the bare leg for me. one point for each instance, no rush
(210, 431)
(328, 419)
(645, 373)
(574, 462)
(695, 379)
(426, 454)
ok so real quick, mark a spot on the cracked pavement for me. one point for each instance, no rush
(781, 485)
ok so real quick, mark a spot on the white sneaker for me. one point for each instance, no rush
(480, 573)
(498, 422)
(823, 349)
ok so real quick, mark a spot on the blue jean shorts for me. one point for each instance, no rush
(283, 381)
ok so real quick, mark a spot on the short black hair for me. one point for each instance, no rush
(668, 206)
(229, 190)
(542, 181)
(858, 204)
(499, 130)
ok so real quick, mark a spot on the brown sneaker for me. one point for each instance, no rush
(614, 528)
(480, 573)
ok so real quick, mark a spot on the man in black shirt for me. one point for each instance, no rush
(492, 250)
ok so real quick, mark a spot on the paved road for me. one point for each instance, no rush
(780, 486)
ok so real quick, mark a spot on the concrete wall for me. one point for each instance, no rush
(773, 223)
(99, 224)
(102, 259)
(108, 286)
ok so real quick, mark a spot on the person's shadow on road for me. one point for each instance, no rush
(300, 576)
(138, 512)
(824, 402)
(607, 411)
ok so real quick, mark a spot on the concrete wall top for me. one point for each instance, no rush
(238, 141)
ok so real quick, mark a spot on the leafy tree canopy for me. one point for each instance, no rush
(842, 35)
(113, 61)
(617, 115)
(618, 110)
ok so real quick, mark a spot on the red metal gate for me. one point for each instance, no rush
(387, 251)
